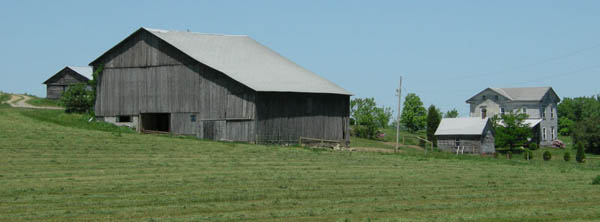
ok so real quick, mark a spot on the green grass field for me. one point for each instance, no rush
(4, 97)
(59, 167)
(36, 101)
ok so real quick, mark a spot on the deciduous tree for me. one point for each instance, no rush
(382, 116)
(511, 130)
(368, 117)
(77, 99)
(572, 111)
(413, 115)
(453, 113)
(587, 132)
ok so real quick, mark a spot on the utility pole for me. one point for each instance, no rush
(399, 94)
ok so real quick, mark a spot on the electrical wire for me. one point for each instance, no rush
(540, 62)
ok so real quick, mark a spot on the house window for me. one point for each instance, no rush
(524, 110)
(193, 118)
(484, 98)
(552, 133)
(551, 112)
(544, 133)
(543, 114)
(456, 142)
(496, 97)
(123, 119)
(502, 110)
(483, 113)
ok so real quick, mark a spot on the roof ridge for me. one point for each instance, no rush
(525, 87)
(280, 73)
(199, 33)
(504, 93)
(80, 66)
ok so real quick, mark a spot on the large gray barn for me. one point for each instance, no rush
(467, 135)
(59, 82)
(220, 87)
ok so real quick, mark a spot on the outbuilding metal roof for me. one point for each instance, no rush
(461, 126)
(85, 71)
(248, 62)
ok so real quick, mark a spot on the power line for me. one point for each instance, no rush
(546, 78)
(543, 61)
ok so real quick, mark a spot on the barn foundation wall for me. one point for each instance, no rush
(115, 120)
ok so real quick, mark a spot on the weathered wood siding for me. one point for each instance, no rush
(143, 50)
(172, 89)
(488, 143)
(145, 75)
(54, 91)
(284, 117)
(471, 143)
(58, 83)
(476, 144)
(240, 130)
(182, 124)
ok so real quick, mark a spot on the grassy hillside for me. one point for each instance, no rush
(59, 169)
(4, 97)
(37, 101)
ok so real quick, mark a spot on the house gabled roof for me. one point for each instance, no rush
(246, 61)
(85, 73)
(522, 94)
(462, 126)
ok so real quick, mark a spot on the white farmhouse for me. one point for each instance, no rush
(539, 103)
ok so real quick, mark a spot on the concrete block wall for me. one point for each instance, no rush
(113, 120)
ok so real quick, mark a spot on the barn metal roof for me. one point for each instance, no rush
(461, 126)
(248, 62)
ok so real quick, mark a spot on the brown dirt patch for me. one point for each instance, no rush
(373, 149)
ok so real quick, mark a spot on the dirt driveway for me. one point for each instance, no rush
(19, 101)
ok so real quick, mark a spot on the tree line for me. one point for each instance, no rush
(579, 118)
(367, 118)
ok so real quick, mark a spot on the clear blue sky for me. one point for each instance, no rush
(446, 51)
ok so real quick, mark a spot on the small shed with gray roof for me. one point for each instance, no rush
(218, 87)
(466, 135)
(59, 82)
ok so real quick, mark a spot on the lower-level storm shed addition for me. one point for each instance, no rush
(219, 87)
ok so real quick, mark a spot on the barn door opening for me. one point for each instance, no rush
(156, 122)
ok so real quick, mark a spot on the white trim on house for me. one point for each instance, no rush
(544, 133)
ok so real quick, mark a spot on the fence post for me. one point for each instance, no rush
(425, 148)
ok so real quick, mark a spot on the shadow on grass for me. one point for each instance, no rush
(80, 121)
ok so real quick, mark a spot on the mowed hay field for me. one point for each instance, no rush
(51, 171)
